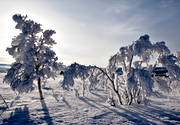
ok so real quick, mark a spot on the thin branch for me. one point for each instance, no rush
(124, 63)
(115, 90)
(130, 63)
(4, 101)
(105, 74)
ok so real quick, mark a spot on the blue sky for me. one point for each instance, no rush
(90, 31)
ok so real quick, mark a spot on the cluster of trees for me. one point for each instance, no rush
(137, 61)
(35, 61)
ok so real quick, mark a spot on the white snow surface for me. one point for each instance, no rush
(63, 107)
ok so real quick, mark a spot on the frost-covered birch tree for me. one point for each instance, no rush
(34, 58)
(134, 77)
(136, 61)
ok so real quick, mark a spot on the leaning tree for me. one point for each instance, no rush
(34, 58)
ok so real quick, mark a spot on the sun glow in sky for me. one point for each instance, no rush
(90, 31)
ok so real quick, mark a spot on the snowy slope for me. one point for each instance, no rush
(62, 107)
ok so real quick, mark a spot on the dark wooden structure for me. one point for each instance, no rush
(160, 71)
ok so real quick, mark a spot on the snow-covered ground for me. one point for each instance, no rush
(63, 107)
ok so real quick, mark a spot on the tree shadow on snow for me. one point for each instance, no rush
(130, 116)
(165, 116)
(2, 109)
(102, 115)
(86, 100)
(134, 117)
(47, 116)
(66, 102)
(19, 117)
(141, 114)
(138, 114)
(55, 96)
(12, 103)
(100, 96)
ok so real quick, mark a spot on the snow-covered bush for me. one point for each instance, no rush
(90, 78)
(73, 71)
(33, 54)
